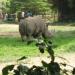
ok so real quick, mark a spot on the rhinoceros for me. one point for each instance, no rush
(33, 27)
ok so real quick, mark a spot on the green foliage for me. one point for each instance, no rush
(33, 5)
(66, 9)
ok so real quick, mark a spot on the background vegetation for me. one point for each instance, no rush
(65, 9)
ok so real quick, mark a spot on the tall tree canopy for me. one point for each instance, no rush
(33, 5)
(65, 8)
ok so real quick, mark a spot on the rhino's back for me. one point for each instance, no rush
(32, 26)
(35, 23)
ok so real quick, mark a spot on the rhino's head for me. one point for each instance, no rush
(48, 34)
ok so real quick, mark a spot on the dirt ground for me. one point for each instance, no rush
(9, 30)
(13, 30)
(70, 60)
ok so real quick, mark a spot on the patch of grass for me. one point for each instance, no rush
(64, 41)
(12, 48)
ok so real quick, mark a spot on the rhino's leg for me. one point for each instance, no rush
(22, 37)
(29, 39)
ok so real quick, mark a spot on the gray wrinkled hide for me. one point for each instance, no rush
(33, 27)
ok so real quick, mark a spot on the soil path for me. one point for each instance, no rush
(9, 30)
(70, 60)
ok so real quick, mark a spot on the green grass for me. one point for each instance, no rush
(64, 39)
(12, 48)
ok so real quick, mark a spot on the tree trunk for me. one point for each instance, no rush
(66, 11)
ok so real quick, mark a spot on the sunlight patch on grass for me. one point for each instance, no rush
(68, 47)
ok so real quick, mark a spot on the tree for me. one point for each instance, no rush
(66, 9)
(36, 6)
